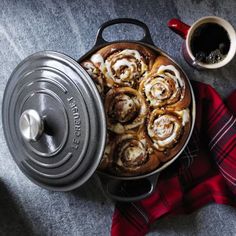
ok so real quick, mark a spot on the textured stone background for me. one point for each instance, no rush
(28, 26)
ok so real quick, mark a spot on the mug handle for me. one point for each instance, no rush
(129, 190)
(146, 37)
(179, 27)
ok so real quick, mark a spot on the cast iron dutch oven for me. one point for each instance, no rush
(54, 122)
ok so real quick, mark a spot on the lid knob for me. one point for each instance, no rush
(31, 125)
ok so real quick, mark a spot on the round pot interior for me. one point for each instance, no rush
(193, 109)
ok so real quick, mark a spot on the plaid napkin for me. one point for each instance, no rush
(205, 172)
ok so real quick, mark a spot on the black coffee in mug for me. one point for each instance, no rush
(210, 43)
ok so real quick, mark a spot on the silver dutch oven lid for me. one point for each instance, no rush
(53, 120)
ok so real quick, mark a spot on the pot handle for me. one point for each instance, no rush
(146, 38)
(131, 190)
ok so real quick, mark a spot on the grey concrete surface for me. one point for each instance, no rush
(70, 27)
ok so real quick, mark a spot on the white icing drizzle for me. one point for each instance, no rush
(122, 62)
(128, 52)
(107, 151)
(153, 92)
(176, 85)
(127, 106)
(117, 128)
(108, 67)
(89, 67)
(185, 114)
(131, 153)
(94, 74)
(128, 102)
(171, 138)
(98, 59)
(160, 129)
(161, 126)
(163, 68)
(113, 63)
(119, 162)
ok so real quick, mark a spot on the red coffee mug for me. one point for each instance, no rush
(186, 32)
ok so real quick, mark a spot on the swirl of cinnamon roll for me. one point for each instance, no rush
(133, 156)
(125, 109)
(95, 74)
(123, 64)
(165, 128)
(165, 86)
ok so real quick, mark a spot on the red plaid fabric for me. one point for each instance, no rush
(205, 172)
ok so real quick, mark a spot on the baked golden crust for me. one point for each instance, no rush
(147, 99)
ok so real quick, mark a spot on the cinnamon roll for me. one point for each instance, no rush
(168, 130)
(125, 109)
(166, 86)
(123, 64)
(95, 74)
(132, 155)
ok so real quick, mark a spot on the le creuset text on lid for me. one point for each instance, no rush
(53, 121)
